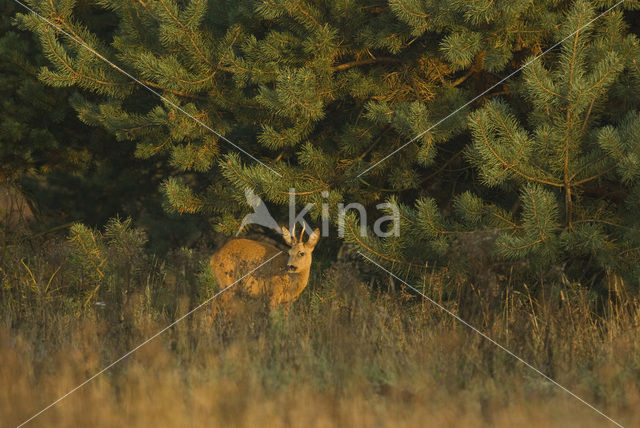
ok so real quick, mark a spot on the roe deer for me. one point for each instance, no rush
(279, 282)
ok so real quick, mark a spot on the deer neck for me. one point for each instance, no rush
(298, 281)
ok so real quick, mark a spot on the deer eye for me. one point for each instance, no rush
(301, 254)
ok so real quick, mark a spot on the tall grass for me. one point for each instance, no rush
(348, 354)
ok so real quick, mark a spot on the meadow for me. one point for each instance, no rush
(355, 349)
(499, 140)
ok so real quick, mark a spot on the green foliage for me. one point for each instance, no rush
(181, 197)
(106, 264)
(572, 145)
(70, 171)
(567, 143)
(207, 281)
(276, 78)
(32, 136)
(319, 91)
(539, 224)
(87, 255)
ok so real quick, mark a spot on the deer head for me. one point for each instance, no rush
(300, 252)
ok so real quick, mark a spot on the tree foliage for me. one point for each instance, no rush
(319, 91)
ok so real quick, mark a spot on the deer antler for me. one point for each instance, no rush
(302, 233)
(293, 233)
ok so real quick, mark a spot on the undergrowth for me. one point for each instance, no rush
(353, 351)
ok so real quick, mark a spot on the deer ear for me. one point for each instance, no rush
(313, 238)
(286, 235)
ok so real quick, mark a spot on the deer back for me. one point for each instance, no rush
(239, 257)
(280, 280)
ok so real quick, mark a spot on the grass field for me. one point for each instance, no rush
(349, 353)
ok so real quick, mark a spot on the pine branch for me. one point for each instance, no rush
(366, 61)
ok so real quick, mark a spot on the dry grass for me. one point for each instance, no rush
(344, 356)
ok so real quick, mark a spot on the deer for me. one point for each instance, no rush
(279, 282)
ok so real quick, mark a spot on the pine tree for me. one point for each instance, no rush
(68, 170)
(319, 91)
(316, 90)
(31, 136)
(557, 158)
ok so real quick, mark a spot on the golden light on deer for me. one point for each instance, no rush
(278, 283)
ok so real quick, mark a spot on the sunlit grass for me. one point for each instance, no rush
(348, 354)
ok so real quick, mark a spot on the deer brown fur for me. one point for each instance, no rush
(279, 282)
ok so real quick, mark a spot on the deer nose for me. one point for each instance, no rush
(291, 268)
